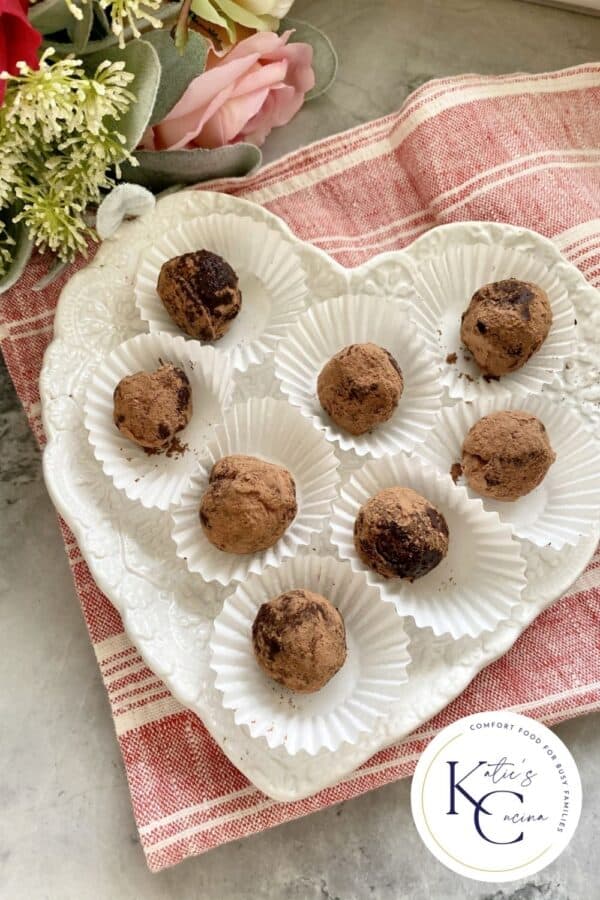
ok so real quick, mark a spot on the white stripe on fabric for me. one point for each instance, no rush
(131, 693)
(446, 195)
(109, 647)
(569, 81)
(584, 232)
(32, 332)
(266, 804)
(198, 808)
(139, 716)
(580, 258)
(27, 320)
(372, 245)
(133, 667)
(359, 773)
(364, 771)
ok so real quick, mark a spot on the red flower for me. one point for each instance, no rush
(18, 39)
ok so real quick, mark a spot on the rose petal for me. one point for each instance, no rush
(260, 84)
(261, 43)
(225, 126)
(262, 77)
(205, 87)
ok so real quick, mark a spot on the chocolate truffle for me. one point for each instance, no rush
(400, 534)
(506, 455)
(360, 387)
(200, 292)
(504, 325)
(151, 407)
(299, 640)
(248, 504)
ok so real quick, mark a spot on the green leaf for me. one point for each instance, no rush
(81, 29)
(160, 169)
(325, 61)
(141, 59)
(21, 253)
(177, 69)
(242, 16)
(50, 16)
(101, 17)
(205, 10)
(165, 12)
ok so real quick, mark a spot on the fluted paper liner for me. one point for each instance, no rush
(156, 480)
(566, 505)
(370, 680)
(325, 329)
(454, 261)
(273, 431)
(478, 583)
(271, 279)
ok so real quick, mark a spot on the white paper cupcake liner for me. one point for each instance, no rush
(566, 505)
(156, 480)
(271, 278)
(454, 261)
(327, 328)
(478, 583)
(371, 679)
(273, 431)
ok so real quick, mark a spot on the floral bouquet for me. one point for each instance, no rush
(104, 103)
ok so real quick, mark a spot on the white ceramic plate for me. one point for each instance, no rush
(167, 611)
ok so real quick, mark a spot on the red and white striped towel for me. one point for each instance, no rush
(518, 148)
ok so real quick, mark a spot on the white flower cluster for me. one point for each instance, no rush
(57, 131)
(123, 14)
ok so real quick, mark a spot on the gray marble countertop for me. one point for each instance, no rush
(66, 829)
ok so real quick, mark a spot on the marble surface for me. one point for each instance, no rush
(67, 829)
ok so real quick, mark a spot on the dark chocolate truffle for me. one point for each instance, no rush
(506, 455)
(299, 640)
(360, 387)
(200, 292)
(400, 534)
(504, 325)
(151, 407)
(248, 505)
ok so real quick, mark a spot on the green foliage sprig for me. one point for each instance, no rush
(123, 14)
(59, 143)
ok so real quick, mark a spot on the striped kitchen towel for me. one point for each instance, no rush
(519, 148)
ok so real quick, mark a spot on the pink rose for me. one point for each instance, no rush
(260, 84)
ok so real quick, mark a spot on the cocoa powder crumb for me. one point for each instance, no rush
(456, 471)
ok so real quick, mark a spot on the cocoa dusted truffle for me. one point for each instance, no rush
(506, 455)
(200, 292)
(299, 640)
(360, 387)
(504, 325)
(400, 534)
(248, 504)
(151, 407)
